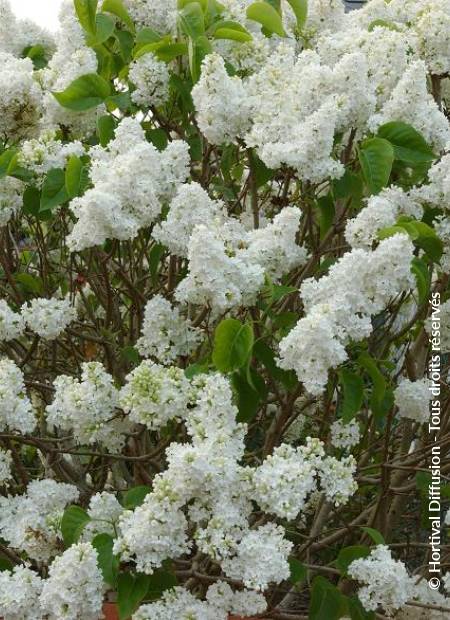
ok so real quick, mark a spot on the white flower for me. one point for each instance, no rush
(87, 407)
(19, 594)
(154, 394)
(31, 522)
(47, 152)
(11, 191)
(336, 479)
(5, 466)
(221, 102)
(49, 317)
(16, 411)
(165, 333)
(387, 583)
(104, 511)
(20, 98)
(150, 76)
(74, 588)
(433, 33)
(345, 435)
(261, 559)
(413, 399)
(161, 16)
(11, 323)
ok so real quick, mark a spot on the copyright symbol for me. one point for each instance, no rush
(434, 583)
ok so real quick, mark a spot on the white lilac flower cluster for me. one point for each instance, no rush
(47, 152)
(11, 191)
(344, 435)
(19, 594)
(87, 407)
(130, 180)
(5, 466)
(413, 399)
(104, 511)
(150, 76)
(49, 317)
(11, 323)
(16, 35)
(228, 264)
(16, 410)
(161, 16)
(386, 581)
(74, 588)
(360, 284)
(165, 333)
(30, 522)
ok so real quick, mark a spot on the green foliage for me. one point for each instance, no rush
(376, 156)
(409, 145)
(86, 11)
(353, 394)
(116, 7)
(375, 535)
(107, 561)
(84, 93)
(348, 554)
(267, 16)
(73, 522)
(423, 236)
(300, 8)
(74, 176)
(131, 591)
(233, 343)
(327, 603)
(54, 191)
(298, 571)
(135, 496)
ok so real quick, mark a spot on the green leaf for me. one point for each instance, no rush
(231, 30)
(357, 611)
(7, 161)
(156, 253)
(300, 8)
(327, 603)
(130, 354)
(86, 11)
(30, 283)
(198, 49)
(375, 535)
(382, 23)
(84, 93)
(38, 55)
(423, 236)
(104, 28)
(135, 496)
(116, 7)
(54, 190)
(74, 173)
(73, 522)
(107, 561)
(267, 16)
(160, 581)
(233, 343)
(266, 356)
(163, 50)
(378, 381)
(131, 591)
(327, 214)
(422, 275)
(347, 555)
(31, 201)
(105, 129)
(146, 36)
(409, 145)
(251, 390)
(261, 173)
(158, 138)
(353, 394)
(376, 157)
(5, 564)
(298, 571)
(192, 20)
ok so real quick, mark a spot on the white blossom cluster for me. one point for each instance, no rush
(154, 394)
(11, 323)
(47, 152)
(104, 511)
(16, 35)
(74, 588)
(345, 435)
(360, 284)
(386, 581)
(87, 407)
(5, 466)
(11, 190)
(165, 333)
(30, 522)
(161, 16)
(413, 399)
(150, 76)
(19, 594)
(130, 181)
(16, 410)
(49, 317)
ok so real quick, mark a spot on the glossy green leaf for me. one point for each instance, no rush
(160, 581)
(376, 157)
(409, 145)
(104, 28)
(300, 8)
(198, 50)
(135, 496)
(353, 394)
(131, 591)
(117, 7)
(422, 275)
(107, 561)
(54, 190)
(74, 172)
(105, 128)
(375, 535)
(233, 343)
(192, 20)
(267, 16)
(84, 93)
(73, 522)
(327, 603)
(379, 385)
(86, 11)
(227, 29)
(298, 571)
(347, 555)
(251, 390)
